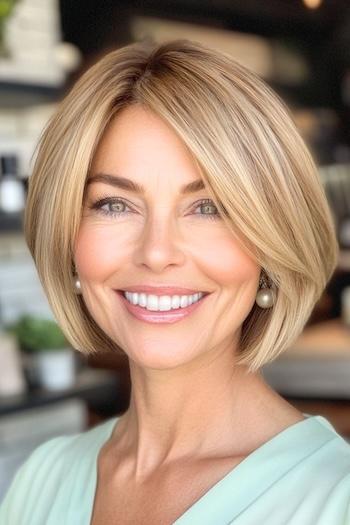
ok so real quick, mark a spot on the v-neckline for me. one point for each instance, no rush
(306, 435)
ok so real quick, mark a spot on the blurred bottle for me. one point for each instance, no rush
(12, 379)
(12, 191)
(345, 306)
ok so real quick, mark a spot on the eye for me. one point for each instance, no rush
(207, 204)
(112, 207)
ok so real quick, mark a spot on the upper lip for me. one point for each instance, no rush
(161, 290)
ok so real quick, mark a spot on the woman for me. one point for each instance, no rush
(170, 170)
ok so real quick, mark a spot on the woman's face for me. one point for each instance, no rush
(161, 237)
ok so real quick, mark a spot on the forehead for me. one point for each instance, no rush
(139, 145)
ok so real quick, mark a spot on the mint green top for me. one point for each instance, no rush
(299, 477)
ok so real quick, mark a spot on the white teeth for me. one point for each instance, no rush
(142, 300)
(184, 301)
(175, 302)
(162, 303)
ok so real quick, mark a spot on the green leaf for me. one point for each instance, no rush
(37, 334)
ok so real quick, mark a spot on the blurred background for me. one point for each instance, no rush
(300, 48)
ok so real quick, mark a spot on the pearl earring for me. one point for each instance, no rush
(77, 285)
(265, 297)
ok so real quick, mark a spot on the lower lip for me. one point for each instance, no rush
(171, 316)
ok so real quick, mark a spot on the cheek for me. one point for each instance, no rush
(99, 251)
(96, 253)
(226, 261)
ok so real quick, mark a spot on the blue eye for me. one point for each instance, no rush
(107, 206)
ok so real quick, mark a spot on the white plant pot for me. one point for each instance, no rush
(56, 368)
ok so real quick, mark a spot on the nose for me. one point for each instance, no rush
(160, 244)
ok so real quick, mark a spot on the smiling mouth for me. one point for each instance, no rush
(122, 294)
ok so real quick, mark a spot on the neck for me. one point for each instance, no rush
(177, 413)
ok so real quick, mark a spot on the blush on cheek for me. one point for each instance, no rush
(227, 263)
(95, 257)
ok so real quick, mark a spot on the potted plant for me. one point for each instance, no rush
(44, 342)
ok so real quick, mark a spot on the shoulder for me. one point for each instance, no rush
(321, 480)
(334, 481)
(42, 476)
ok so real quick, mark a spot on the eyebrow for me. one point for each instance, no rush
(130, 185)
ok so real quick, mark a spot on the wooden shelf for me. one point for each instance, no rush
(316, 366)
(99, 388)
(325, 340)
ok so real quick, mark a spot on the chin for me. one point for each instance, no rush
(158, 360)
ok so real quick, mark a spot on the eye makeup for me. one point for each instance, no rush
(105, 204)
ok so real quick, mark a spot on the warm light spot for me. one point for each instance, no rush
(312, 4)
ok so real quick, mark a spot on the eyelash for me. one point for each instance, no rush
(108, 200)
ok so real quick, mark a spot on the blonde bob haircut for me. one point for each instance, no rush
(251, 157)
